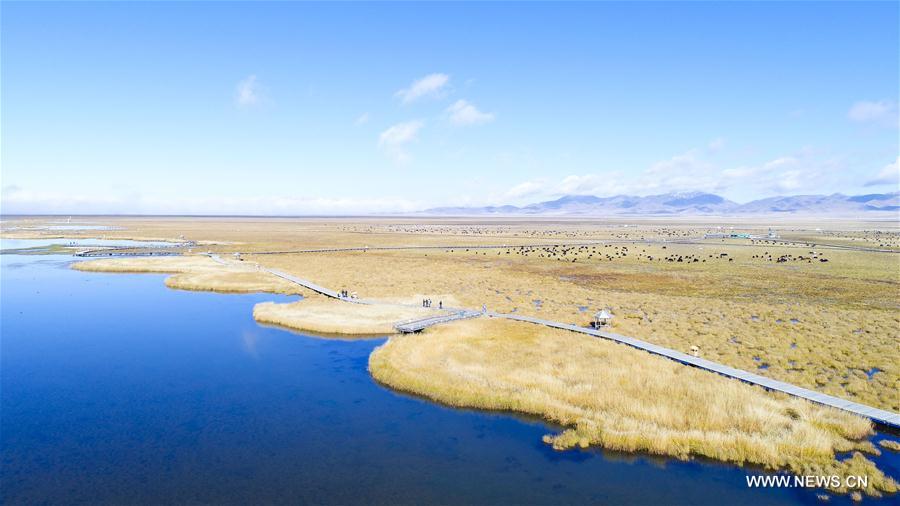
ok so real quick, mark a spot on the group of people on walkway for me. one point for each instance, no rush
(427, 303)
(345, 293)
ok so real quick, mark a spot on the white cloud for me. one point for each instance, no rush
(683, 162)
(463, 113)
(788, 181)
(779, 163)
(696, 170)
(608, 183)
(248, 92)
(22, 201)
(362, 119)
(716, 145)
(401, 133)
(591, 184)
(692, 171)
(882, 112)
(685, 171)
(785, 174)
(783, 162)
(432, 85)
(526, 189)
(393, 140)
(890, 174)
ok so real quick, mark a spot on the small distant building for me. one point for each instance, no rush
(602, 318)
(695, 350)
(730, 235)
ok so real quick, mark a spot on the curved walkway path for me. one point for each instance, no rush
(876, 415)
(879, 416)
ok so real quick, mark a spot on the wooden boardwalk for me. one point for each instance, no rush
(415, 325)
(307, 284)
(105, 253)
(135, 251)
(879, 416)
(405, 326)
(876, 415)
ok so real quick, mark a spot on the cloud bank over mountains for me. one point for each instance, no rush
(689, 204)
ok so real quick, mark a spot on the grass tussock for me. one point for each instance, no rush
(197, 273)
(319, 314)
(890, 444)
(618, 398)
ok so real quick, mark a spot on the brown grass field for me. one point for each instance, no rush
(323, 315)
(621, 398)
(806, 311)
(196, 273)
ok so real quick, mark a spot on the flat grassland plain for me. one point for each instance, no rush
(817, 307)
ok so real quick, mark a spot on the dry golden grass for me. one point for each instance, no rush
(198, 273)
(623, 399)
(829, 326)
(319, 314)
(890, 444)
(822, 326)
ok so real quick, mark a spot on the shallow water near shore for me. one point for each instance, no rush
(116, 389)
(19, 244)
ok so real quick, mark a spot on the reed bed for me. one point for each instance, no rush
(831, 327)
(618, 398)
(197, 273)
(319, 314)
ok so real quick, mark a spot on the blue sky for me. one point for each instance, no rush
(313, 108)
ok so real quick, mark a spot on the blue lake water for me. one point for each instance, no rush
(117, 390)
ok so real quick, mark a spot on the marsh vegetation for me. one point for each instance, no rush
(800, 311)
(619, 398)
(316, 313)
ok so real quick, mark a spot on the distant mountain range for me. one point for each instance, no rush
(687, 203)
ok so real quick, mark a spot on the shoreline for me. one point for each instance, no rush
(194, 269)
(193, 273)
(318, 314)
(410, 364)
